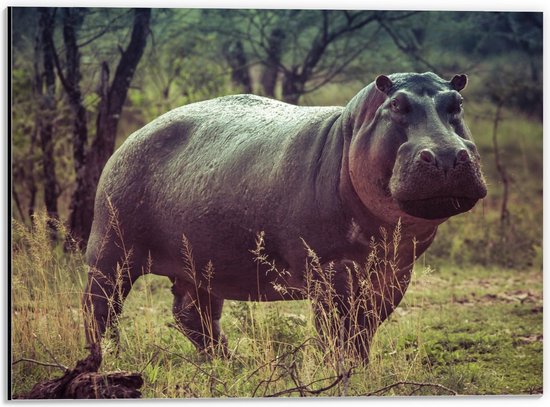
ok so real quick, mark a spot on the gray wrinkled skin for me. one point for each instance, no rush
(221, 171)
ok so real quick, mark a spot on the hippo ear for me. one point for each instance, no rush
(384, 84)
(459, 82)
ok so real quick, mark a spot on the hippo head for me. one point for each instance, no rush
(411, 154)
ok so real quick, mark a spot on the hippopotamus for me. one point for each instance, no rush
(191, 195)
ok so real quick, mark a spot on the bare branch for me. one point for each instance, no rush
(306, 388)
(399, 43)
(37, 362)
(48, 351)
(107, 28)
(385, 389)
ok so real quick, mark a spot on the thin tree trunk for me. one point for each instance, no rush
(48, 105)
(110, 108)
(37, 84)
(293, 87)
(31, 181)
(237, 60)
(17, 201)
(504, 213)
(272, 64)
(72, 19)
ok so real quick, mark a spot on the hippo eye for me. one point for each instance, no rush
(394, 105)
(400, 105)
(456, 106)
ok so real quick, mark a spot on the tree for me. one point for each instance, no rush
(304, 49)
(330, 33)
(27, 90)
(272, 64)
(48, 107)
(112, 98)
(72, 20)
(236, 58)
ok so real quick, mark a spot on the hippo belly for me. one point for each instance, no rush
(219, 173)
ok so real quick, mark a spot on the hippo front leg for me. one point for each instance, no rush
(350, 305)
(197, 313)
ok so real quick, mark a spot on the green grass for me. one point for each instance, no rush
(475, 330)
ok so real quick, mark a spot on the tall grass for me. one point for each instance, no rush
(46, 287)
(275, 348)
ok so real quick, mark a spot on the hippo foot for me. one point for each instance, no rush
(216, 350)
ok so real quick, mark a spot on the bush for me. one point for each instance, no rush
(483, 240)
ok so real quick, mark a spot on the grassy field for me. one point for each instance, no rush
(469, 330)
(471, 321)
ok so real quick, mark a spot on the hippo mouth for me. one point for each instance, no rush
(437, 208)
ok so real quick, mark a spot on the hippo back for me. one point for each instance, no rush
(219, 172)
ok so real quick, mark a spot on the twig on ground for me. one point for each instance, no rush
(305, 389)
(49, 352)
(409, 383)
(37, 362)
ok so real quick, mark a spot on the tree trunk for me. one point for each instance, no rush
(237, 60)
(72, 19)
(273, 62)
(293, 87)
(37, 84)
(31, 181)
(110, 108)
(47, 107)
(504, 213)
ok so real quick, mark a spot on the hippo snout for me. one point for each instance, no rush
(444, 160)
(438, 182)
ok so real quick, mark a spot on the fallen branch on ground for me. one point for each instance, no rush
(305, 389)
(37, 362)
(408, 383)
(84, 382)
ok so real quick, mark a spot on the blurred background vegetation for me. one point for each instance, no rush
(84, 79)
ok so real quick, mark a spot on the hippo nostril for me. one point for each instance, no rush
(427, 156)
(462, 156)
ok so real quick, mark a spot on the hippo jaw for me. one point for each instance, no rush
(436, 208)
(425, 194)
(427, 191)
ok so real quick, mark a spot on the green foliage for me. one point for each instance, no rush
(181, 74)
(482, 239)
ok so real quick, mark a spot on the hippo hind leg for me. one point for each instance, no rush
(197, 313)
(109, 283)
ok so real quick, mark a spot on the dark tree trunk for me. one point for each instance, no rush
(504, 212)
(110, 108)
(293, 87)
(47, 107)
(37, 84)
(72, 20)
(17, 201)
(31, 181)
(273, 62)
(237, 60)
